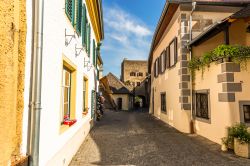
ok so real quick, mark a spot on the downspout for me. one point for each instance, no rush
(35, 82)
(190, 57)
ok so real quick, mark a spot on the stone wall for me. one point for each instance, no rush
(129, 66)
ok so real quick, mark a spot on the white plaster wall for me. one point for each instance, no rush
(53, 144)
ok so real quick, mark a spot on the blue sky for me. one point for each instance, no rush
(129, 26)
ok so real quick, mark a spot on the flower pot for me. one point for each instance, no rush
(241, 149)
(224, 147)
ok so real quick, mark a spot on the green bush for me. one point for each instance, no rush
(239, 131)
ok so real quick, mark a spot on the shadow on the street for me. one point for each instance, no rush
(137, 138)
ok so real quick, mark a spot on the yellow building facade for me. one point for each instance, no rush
(12, 65)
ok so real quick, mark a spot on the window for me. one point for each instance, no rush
(138, 83)
(79, 17)
(163, 102)
(68, 93)
(140, 74)
(173, 52)
(163, 62)
(156, 67)
(66, 88)
(70, 10)
(201, 106)
(246, 113)
(132, 73)
(84, 94)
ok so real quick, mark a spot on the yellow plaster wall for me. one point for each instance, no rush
(12, 58)
(169, 82)
(125, 100)
(222, 114)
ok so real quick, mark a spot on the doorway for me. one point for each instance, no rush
(119, 103)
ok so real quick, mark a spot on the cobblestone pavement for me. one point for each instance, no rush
(136, 138)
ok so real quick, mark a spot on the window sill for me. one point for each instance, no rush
(203, 120)
(84, 114)
(164, 112)
(66, 125)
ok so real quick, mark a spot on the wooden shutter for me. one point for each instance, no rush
(88, 39)
(92, 104)
(167, 57)
(155, 68)
(84, 26)
(79, 17)
(175, 51)
(159, 64)
(70, 10)
(165, 60)
(73, 13)
(93, 53)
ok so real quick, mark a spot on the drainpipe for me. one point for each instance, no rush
(190, 54)
(35, 82)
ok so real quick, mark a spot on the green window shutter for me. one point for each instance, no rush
(96, 56)
(84, 23)
(92, 104)
(93, 52)
(73, 12)
(79, 17)
(89, 37)
(70, 10)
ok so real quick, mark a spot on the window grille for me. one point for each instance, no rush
(202, 105)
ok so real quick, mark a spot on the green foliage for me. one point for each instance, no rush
(240, 132)
(237, 54)
(225, 141)
(137, 99)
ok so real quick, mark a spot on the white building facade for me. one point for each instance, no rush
(70, 47)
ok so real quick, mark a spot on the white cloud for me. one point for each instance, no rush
(126, 36)
(120, 20)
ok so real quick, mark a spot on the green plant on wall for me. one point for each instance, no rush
(237, 54)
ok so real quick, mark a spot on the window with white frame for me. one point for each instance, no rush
(163, 62)
(85, 109)
(156, 67)
(66, 88)
(173, 52)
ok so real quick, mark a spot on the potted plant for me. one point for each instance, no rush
(241, 140)
(224, 145)
(85, 111)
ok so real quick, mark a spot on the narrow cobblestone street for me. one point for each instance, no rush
(136, 138)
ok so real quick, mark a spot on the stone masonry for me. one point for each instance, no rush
(136, 66)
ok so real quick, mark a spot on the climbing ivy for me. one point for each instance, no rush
(236, 53)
